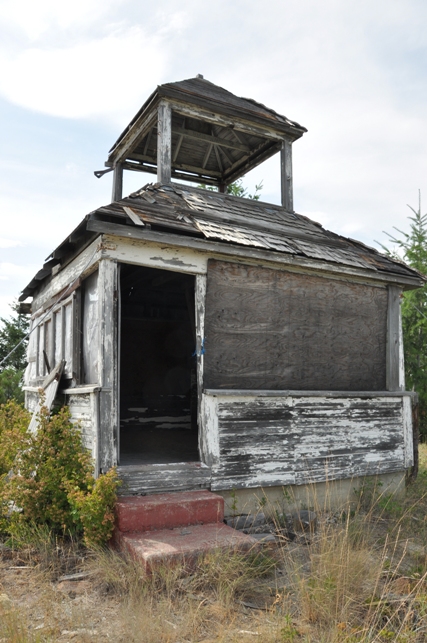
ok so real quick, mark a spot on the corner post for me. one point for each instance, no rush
(393, 360)
(164, 143)
(286, 176)
(117, 182)
(108, 367)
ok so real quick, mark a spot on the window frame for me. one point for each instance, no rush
(47, 339)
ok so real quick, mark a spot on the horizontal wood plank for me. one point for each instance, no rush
(298, 440)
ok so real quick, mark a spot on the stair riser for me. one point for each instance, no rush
(166, 511)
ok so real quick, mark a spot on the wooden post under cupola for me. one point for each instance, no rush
(164, 143)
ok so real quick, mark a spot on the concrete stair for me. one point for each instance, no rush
(175, 527)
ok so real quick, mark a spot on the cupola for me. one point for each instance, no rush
(193, 130)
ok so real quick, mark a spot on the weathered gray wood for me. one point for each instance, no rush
(393, 338)
(292, 393)
(279, 441)
(216, 140)
(218, 158)
(49, 388)
(177, 148)
(286, 176)
(158, 478)
(164, 143)
(78, 267)
(269, 329)
(176, 166)
(133, 216)
(117, 192)
(108, 403)
(291, 262)
(199, 301)
(207, 155)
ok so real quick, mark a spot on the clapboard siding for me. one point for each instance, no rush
(161, 478)
(272, 329)
(295, 440)
(82, 413)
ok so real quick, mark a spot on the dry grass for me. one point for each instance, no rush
(361, 578)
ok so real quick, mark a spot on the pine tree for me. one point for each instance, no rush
(12, 331)
(412, 248)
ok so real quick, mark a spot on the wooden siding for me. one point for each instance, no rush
(159, 478)
(273, 441)
(82, 409)
(270, 329)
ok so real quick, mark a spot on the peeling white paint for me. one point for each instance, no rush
(267, 441)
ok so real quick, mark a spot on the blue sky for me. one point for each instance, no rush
(72, 75)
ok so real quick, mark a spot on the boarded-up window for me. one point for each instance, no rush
(55, 338)
(90, 326)
(271, 329)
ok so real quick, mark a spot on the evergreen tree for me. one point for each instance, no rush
(12, 331)
(412, 248)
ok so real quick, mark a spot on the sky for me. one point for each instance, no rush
(73, 74)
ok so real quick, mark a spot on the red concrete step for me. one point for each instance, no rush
(168, 510)
(182, 545)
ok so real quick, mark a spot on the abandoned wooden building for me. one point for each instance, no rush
(208, 341)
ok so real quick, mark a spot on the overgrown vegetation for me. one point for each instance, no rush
(46, 478)
(412, 248)
(360, 578)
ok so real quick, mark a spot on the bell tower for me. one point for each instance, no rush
(193, 130)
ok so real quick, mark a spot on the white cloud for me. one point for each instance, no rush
(9, 243)
(35, 19)
(8, 270)
(86, 79)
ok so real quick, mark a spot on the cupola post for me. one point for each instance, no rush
(164, 143)
(286, 176)
(117, 182)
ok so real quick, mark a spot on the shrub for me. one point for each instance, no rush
(94, 508)
(52, 482)
(14, 421)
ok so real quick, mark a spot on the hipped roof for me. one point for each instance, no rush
(199, 217)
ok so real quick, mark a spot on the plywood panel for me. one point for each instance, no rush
(270, 329)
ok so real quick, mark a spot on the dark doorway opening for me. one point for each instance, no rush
(158, 389)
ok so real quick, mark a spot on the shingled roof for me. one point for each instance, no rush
(200, 218)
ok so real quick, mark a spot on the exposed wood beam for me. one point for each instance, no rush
(164, 143)
(240, 167)
(178, 147)
(207, 155)
(224, 153)
(235, 122)
(148, 141)
(218, 158)
(239, 137)
(132, 139)
(179, 166)
(216, 140)
(286, 176)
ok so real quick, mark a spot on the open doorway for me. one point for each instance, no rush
(158, 390)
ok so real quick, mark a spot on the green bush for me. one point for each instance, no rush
(94, 508)
(14, 420)
(50, 480)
